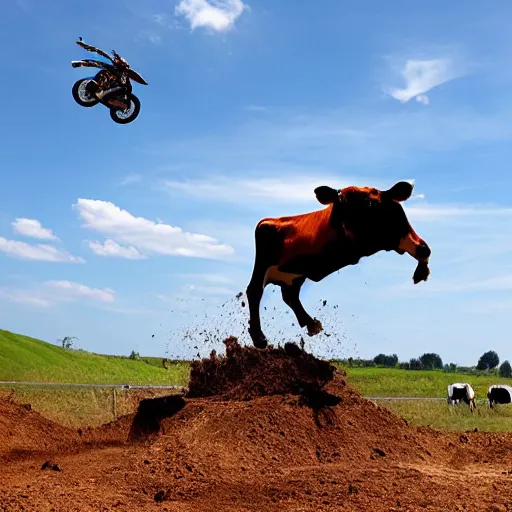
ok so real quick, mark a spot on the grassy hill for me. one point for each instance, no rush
(28, 359)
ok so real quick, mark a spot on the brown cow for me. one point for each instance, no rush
(357, 222)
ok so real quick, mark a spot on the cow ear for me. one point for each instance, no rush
(401, 191)
(326, 195)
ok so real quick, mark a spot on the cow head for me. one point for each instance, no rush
(375, 219)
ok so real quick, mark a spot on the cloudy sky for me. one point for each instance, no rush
(139, 236)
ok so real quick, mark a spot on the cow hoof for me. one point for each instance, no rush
(258, 340)
(315, 328)
(421, 273)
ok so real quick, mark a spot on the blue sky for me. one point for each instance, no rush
(117, 233)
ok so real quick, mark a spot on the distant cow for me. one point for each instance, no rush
(499, 394)
(461, 391)
(357, 222)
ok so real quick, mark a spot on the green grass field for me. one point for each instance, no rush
(391, 382)
(30, 360)
(430, 384)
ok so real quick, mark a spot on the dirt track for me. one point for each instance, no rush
(308, 443)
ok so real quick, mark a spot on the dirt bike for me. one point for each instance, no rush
(124, 106)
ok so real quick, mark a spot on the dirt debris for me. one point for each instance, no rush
(247, 372)
(50, 465)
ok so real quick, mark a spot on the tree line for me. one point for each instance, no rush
(488, 362)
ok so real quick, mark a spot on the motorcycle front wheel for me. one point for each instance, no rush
(80, 94)
(121, 116)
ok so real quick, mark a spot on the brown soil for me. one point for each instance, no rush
(258, 430)
(248, 372)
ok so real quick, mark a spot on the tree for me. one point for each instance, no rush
(384, 360)
(431, 361)
(488, 361)
(134, 355)
(67, 342)
(505, 370)
(415, 364)
(450, 368)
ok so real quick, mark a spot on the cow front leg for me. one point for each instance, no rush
(291, 298)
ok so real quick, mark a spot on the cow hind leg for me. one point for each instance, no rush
(290, 294)
(254, 294)
(267, 254)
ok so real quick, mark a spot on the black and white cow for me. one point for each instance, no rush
(499, 394)
(461, 391)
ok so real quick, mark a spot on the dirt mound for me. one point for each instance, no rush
(23, 430)
(267, 410)
(247, 372)
(276, 433)
(24, 433)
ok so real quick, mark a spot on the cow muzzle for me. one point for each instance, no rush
(423, 252)
(416, 247)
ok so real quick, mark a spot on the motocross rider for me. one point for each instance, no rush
(118, 71)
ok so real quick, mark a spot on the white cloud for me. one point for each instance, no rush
(218, 15)
(300, 189)
(211, 278)
(423, 75)
(440, 212)
(160, 19)
(134, 177)
(51, 293)
(489, 306)
(446, 286)
(130, 311)
(296, 189)
(208, 290)
(255, 108)
(423, 98)
(113, 250)
(32, 228)
(25, 297)
(67, 290)
(38, 252)
(145, 235)
(286, 143)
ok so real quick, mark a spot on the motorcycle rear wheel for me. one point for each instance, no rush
(129, 115)
(80, 94)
